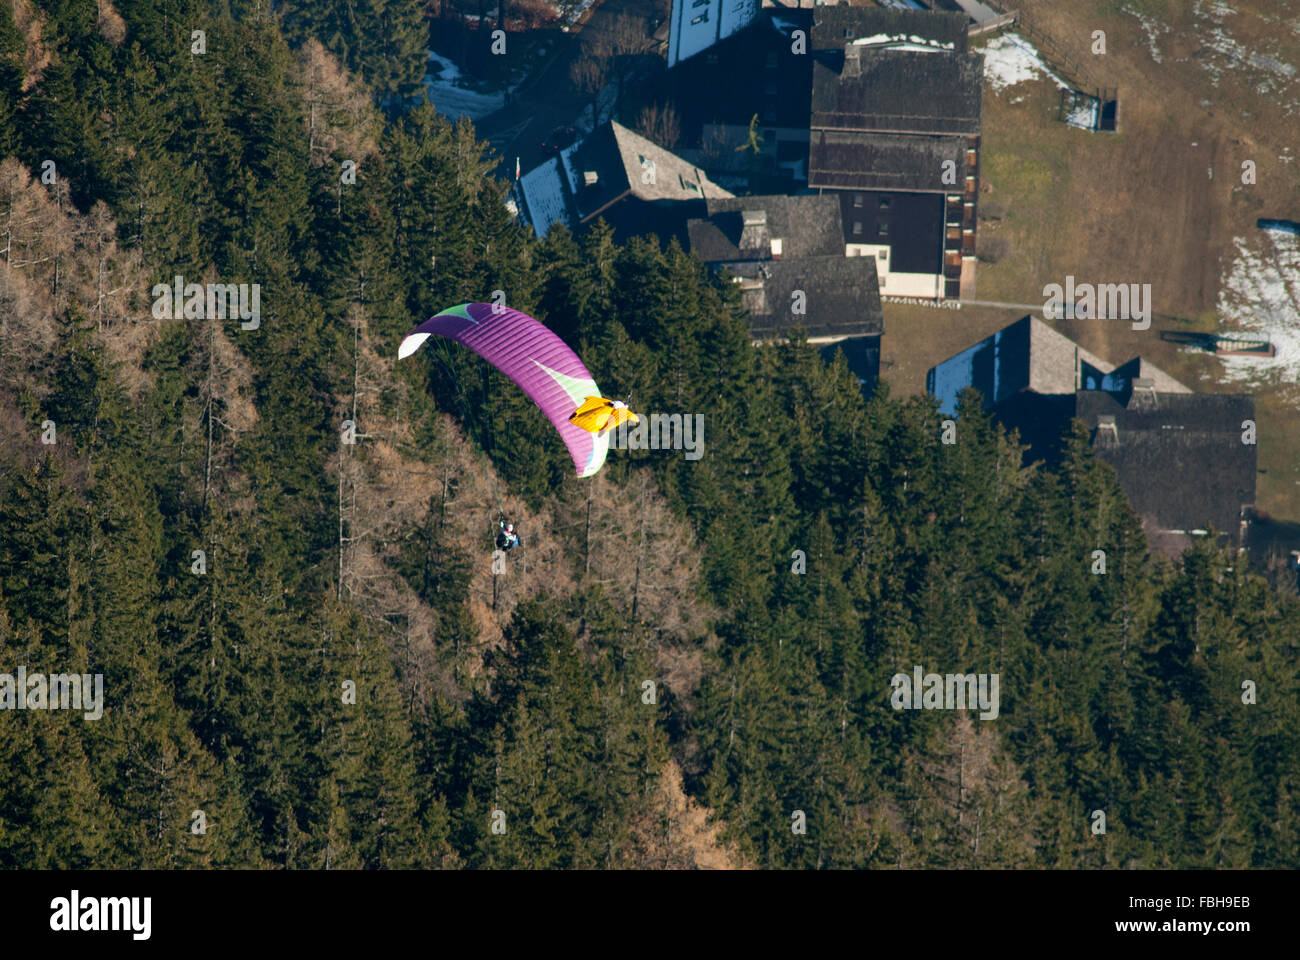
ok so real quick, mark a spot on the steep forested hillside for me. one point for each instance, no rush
(202, 534)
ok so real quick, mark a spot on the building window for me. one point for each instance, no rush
(857, 228)
(884, 229)
(882, 255)
(701, 3)
(884, 203)
(702, 18)
(857, 200)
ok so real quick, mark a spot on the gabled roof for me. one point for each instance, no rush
(806, 226)
(1030, 355)
(624, 162)
(841, 296)
(833, 25)
(1179, 456)
(1128, 376)
(846, 160)
(901, 91)
(608, 165)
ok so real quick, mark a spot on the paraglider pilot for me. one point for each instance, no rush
(599, 415)
(506, 537)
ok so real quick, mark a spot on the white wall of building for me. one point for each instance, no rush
(696, 25)
(928, 285)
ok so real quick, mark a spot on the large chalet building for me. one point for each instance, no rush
(895, 133)
(880, 108)
(1181, 456)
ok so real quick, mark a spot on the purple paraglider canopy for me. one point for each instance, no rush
(533, 357)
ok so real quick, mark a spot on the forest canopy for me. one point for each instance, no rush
(275, 544)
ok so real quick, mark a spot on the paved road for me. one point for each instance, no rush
(1039, 308)
(1031, 307)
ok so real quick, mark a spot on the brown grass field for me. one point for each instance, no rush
(1141, 205)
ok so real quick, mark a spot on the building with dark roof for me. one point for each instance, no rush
(852, 160)
(786, 254)
(635, 185)
(762, 228)
(831, 298)
(880, 107)
(881, 86)
(1179, 455)
(894, 119)
(835, 24)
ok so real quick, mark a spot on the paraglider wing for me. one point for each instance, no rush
(538, 361)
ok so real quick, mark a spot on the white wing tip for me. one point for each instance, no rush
(410, 344)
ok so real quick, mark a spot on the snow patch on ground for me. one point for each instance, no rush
(451, 97)
(1085, 113)
(1263, 61)
(1154, 30)
(1266, 71)
(1010, 59)
(1261, 294)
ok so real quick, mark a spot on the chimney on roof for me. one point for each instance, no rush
(1143, 396)
(1107, 433)
(754, 238)
(589, 178)
(852, 60)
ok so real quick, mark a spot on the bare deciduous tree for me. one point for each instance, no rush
(339, 116)
(589, 74)
(659, 122)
